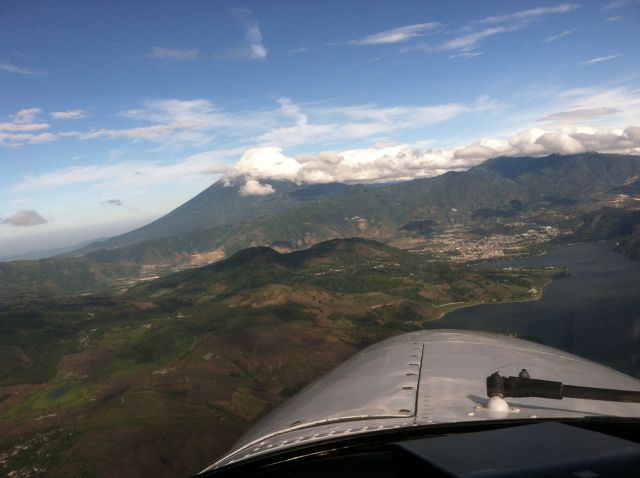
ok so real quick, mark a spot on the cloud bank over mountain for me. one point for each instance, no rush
(404, 162)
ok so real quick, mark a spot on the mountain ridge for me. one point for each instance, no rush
(474, 214)
(300, 215)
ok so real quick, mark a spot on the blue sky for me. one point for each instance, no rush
(113, 113)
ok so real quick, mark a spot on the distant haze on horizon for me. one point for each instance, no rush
(114, 113)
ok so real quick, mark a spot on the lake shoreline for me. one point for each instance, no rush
(591, 312)
(466, 305)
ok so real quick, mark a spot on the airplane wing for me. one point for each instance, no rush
(427, 378)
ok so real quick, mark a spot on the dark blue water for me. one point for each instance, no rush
(594, 313)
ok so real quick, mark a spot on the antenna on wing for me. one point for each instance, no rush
(524, 386)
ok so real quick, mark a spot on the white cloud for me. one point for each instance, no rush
(616, 4)
(298, 51)
(580, 115)
(75, 175)
(466, 54)
(195, 113)
(391, 163)
(21, 129)
(175, 124)
(253, 36)
(266, 162)
(565, 140)
(591, 101)
(173, 54)
(26, 116)
(559, 142)
(579, 119)
(397, 35)
(18, 139)
(257, 51)
(470, 40)
(385, 162)
(151, 133)
(404, 162)
(614, 19)
(25, 218)
(23, 126)
(128, 175)
(531, 14)
(501, 24)
(359, 121)
(558, 36)
(600, 59)
(11, 68)
(68, 115)
(253, 187)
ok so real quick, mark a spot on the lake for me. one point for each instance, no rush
(594, 312)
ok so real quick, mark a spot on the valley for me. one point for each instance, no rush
(177, 368)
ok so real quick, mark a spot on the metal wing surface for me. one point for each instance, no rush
(428, 377)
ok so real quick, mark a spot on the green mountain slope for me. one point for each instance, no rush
(222, 204)
(57, 277)
(344, 265)
(299, 216)
(463, 191)
(576, 176)
(611, 224)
